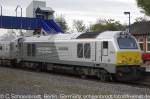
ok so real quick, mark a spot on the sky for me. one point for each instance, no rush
(87, 10)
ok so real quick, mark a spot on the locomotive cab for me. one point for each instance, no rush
(128, 57)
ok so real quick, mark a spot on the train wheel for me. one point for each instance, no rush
(80, 72)
(103, 75)
(83, 76)
(38, 68)
(44, 67)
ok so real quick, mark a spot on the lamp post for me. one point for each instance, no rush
(128, 13)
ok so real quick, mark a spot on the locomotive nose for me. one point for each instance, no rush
(129, 58)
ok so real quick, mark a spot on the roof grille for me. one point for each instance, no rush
(88, 35)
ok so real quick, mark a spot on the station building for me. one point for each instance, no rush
(141, 30)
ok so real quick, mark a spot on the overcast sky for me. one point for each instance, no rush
(87, 10)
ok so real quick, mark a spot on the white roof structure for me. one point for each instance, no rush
(72, 36)
(52, 37)
(108, 34)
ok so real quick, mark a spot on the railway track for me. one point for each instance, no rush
(141, 84)
(144, 83)
(137, 84)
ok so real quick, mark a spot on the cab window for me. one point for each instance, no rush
(105, 48)
(105, 45)
(127, 43)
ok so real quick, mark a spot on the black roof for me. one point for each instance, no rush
(88, 35)
(140, 28)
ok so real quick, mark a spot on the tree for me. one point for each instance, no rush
(140, 19)
(79, 25)
(62, 22)
(145, 5)
(106, 25)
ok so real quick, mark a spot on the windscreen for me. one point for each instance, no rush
(127, 43)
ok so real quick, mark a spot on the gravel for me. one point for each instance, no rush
(21, 82)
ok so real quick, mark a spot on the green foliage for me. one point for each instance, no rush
(62, 22)
(140, 19)
(79, 26)
(106, 25)
(145, 5)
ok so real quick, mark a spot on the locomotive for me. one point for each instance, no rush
(106, 55)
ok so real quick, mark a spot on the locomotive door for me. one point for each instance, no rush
(14, 49)
(104, 51)
(20, 47)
